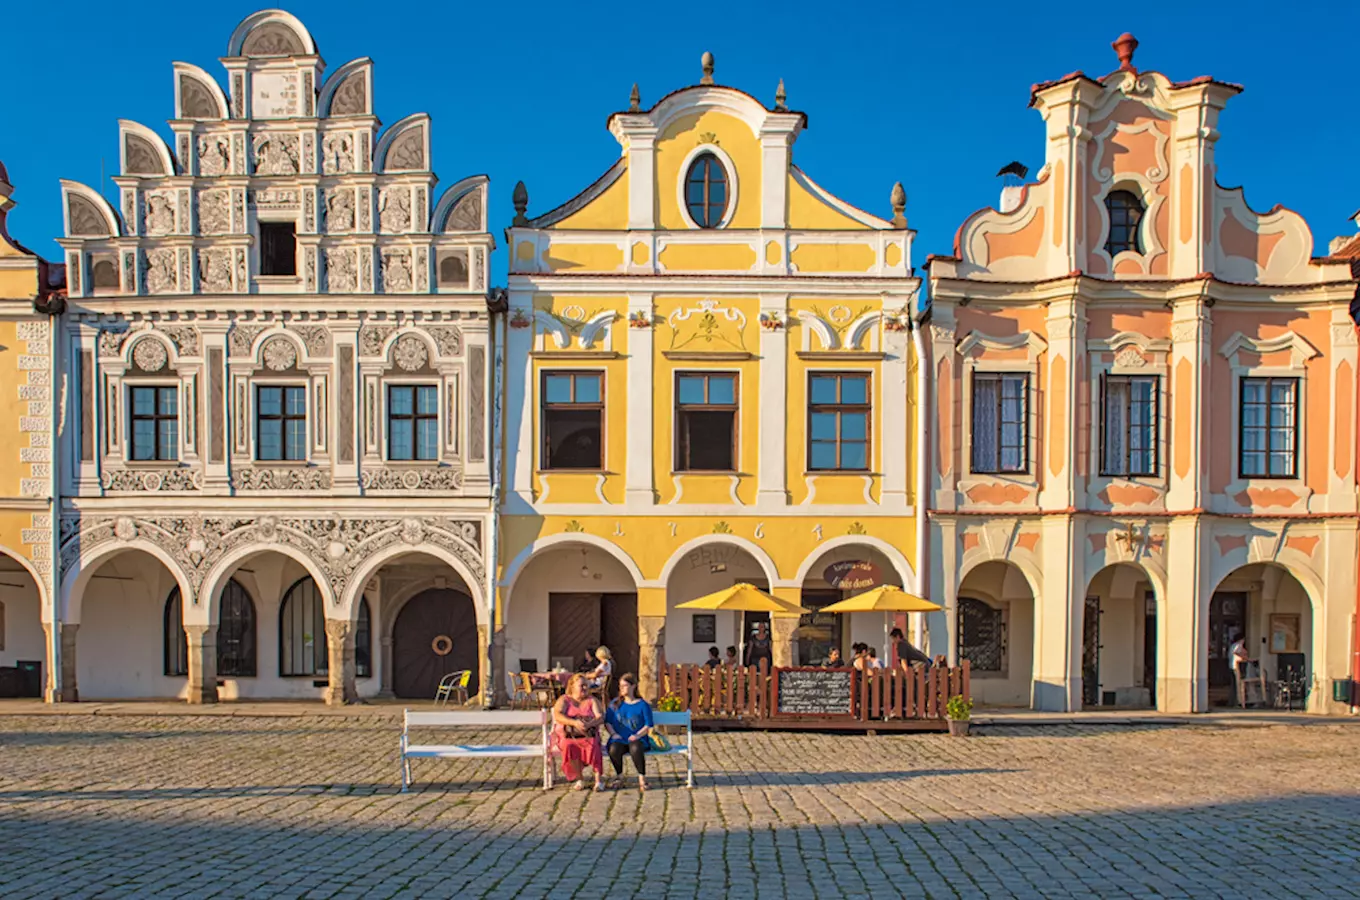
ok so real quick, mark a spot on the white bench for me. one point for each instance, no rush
(416, 719)
(687, 748)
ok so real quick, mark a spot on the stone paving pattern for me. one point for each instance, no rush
(309, 807)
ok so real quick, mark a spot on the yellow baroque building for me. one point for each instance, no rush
(710, 376)
(29, 288)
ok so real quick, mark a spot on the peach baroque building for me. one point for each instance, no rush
(1144, 434)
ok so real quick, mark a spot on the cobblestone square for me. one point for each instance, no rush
(309, 806)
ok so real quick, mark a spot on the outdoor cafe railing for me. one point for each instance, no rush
(748, 692)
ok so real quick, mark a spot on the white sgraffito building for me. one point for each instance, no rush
(276, 466)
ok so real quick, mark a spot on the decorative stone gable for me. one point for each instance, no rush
(280, 143)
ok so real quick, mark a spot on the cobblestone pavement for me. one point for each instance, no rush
(235, 807)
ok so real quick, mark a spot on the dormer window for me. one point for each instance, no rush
(706, 193)
(1126, 213)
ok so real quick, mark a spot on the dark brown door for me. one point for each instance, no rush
(573, 626)
(1090, 653)
(435, 634)
(619, 631)
(1227, 622)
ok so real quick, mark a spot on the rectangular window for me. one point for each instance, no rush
(706, 422)
(1000, 422)
(278, 248)
(412, 422)
(838, 422)
(280, 423)
(1269, 428)
(155, 423)
(573, 420)
(1129, 434)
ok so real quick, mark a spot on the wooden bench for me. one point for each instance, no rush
(416, 719)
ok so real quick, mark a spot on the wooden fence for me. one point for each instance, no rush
(746, 692)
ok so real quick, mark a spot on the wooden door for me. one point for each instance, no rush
(573, 626)
(619, 631)
(435, 634)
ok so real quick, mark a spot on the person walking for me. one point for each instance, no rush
(577, 718)
(1237, 662)
(629, 722)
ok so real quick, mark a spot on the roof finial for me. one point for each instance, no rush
(780, 97)
(707, 61)
(1124, 45)
(634, 99)
(898, 199)
(520, 197)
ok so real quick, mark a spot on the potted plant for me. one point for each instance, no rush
(959, 711)
(668, 702)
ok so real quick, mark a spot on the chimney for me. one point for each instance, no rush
(1012, 176)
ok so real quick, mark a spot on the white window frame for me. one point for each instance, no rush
(158, 381)
(254, 420)
(384, 439)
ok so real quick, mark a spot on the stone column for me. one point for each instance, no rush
(782, 631)
(340, 663)
(202, 641)
(69, 688)
(500, 696)
(651, 640)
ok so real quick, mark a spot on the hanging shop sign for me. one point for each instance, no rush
(853, 575)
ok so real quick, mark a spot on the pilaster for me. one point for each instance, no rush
(772, 466)
(639, 479)
(1183, 619)
(1057, 440)
(1058, 612)
(1191, 333)
(216, 402)
(345, 471)
(895, 441)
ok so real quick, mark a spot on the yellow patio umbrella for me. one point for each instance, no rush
(886, 599)
(740, 598)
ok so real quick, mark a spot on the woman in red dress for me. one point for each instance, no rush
(577, 718)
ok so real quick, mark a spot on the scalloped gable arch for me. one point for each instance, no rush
(188, 72)
(705, 97)
(141, 150)
(264, 17)
(394, 135)
(355, 68)
(81, 217)
(452, 196)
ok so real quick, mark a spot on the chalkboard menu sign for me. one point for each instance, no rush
(823, 693)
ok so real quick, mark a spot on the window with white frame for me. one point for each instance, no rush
(1129, 427)
(1268, 428)
(412, 422)
(153, 423)
(1000, 432)
(838, 421)
(280, 423)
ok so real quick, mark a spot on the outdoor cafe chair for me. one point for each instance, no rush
(454, 684)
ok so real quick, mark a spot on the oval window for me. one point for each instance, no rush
(706, 191)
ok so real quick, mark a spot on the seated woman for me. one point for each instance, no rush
(604, 667)
(576, 733)
(629, 721)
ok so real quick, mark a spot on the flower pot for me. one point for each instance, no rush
(958, 727)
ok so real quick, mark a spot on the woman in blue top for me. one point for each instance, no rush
(629, 721)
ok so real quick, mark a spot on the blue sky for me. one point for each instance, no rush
(934, 95)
